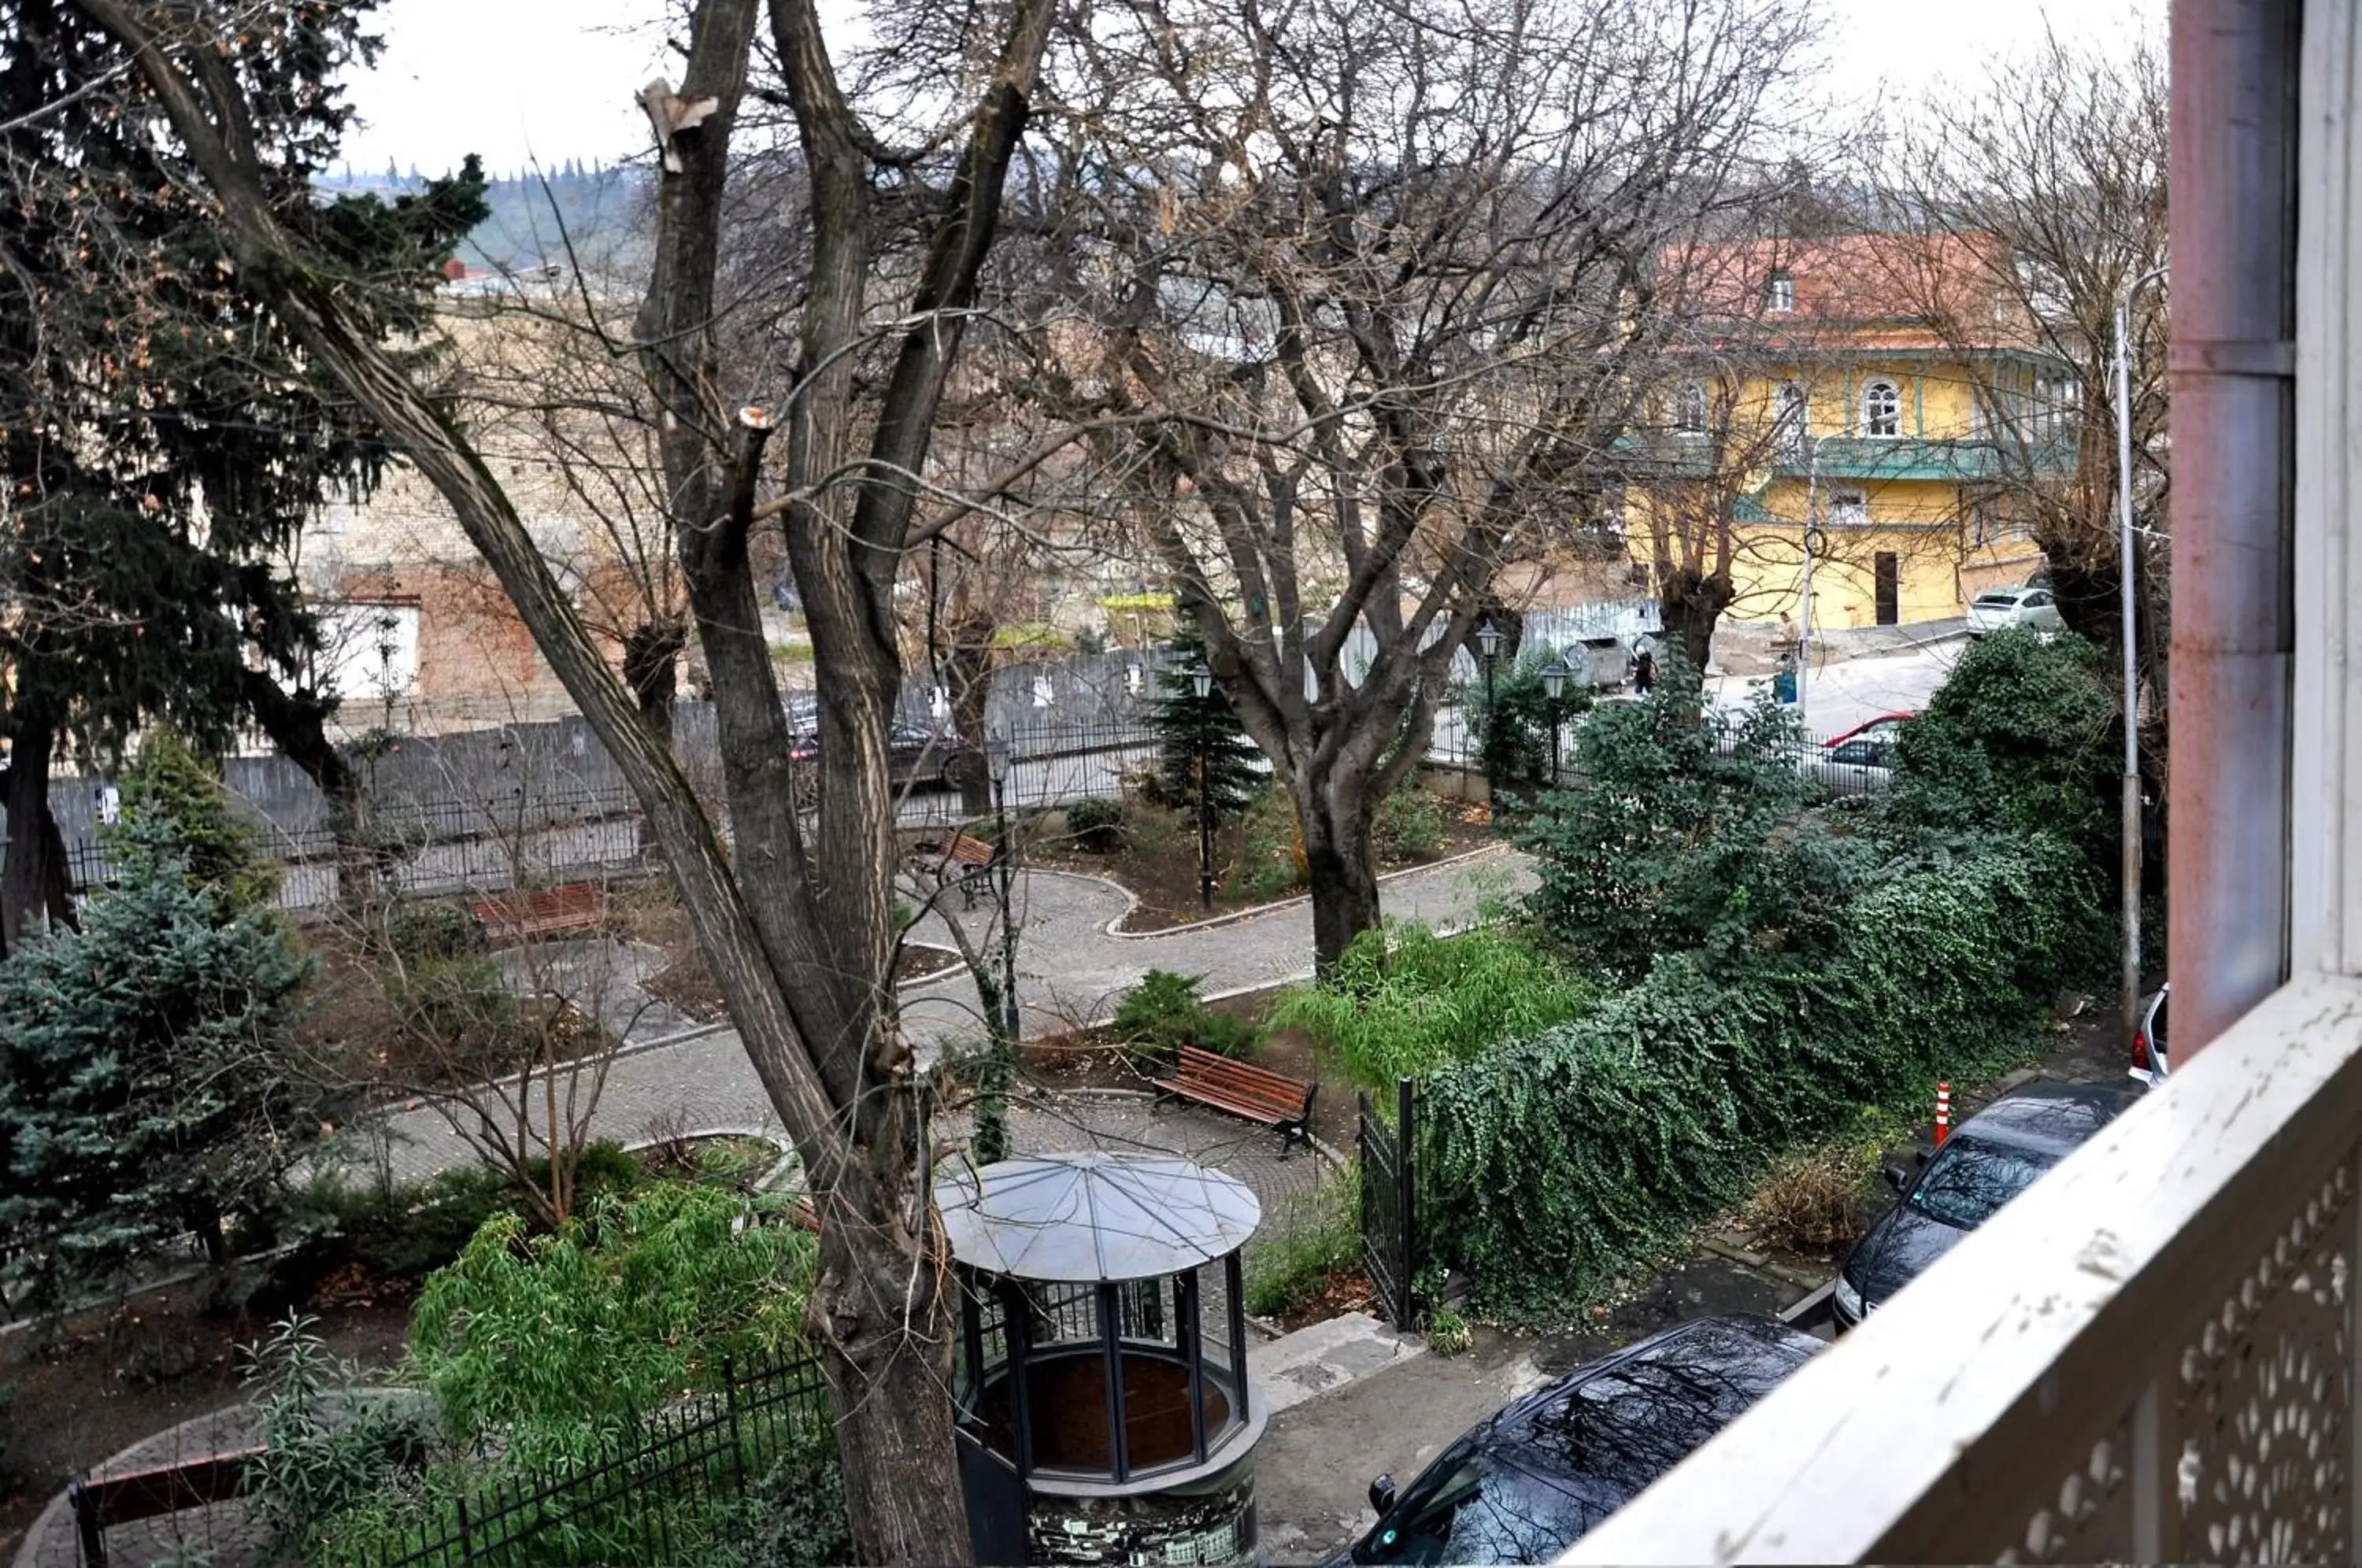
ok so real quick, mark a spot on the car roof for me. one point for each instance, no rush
(2052, 1118)
(1614, 1425)
(1844, 735)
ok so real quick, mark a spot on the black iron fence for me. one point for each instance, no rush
(1843, 767)
(446, 844)
(651, 1504)
(1390, 1202)
(665, 1499)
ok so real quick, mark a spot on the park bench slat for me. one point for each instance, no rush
(1256, 1094)
(959, 857)
(574, 906)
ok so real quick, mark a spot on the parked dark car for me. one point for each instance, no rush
(1523, 1485)
(916, 758)
(1988, 1160)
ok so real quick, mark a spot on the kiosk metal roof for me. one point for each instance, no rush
(1069, 1217)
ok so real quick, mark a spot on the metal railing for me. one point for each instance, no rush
(632, 1505)
(2149, 1356)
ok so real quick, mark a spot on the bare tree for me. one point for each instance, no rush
(2055, 174)
(1372, 301)
(797, 927)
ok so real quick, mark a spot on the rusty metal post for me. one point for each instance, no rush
(2233, 248)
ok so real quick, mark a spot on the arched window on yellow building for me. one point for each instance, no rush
(1792, 419)
(1881, 409)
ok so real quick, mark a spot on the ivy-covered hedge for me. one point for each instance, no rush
(1557, 1161)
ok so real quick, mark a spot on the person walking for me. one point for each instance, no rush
(1644, 670)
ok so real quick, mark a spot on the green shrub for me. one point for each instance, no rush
(1096, 827)
(2022, 738)
(1408, 822)
(1164, 1012)
(457, 1003)
(1304, 1240)
(1563, 1159)
(1511, 729)
(400, 1235)
(794, 1516)
(328, 1446)
(1448, 1333)
(1687, 832)
(1404, 1002)
(1270, 859)
(428, 932)
(561, 1342)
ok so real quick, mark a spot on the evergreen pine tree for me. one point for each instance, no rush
(143, 562)
(149, 1081)
(169, 786)
(1188, 726)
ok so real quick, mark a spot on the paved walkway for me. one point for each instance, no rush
(1072, 968)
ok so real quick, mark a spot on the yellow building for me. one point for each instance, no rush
(1834, 385)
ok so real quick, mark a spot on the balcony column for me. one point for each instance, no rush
(2232, 244)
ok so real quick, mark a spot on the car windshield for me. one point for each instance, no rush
(1970, 1179)
(1483, 1509)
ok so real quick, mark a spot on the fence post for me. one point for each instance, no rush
(730, 1399)
(467, 1548)
(1407, 1177)
(85, 1512)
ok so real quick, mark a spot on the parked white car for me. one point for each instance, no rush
(2034, 608)
(1850, 770)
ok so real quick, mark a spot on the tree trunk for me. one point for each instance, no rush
(1340, 867)
(885, 1327)
(652, 669)
(297, 723)
(967, 671)
(1689, 604)
(2089, 596)
(36, 868)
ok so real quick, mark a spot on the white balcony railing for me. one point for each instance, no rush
(2148, 1357)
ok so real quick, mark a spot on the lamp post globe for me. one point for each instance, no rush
(1201, 678)
(1554, 675)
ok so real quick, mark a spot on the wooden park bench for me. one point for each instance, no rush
(959, 858)
(100, 1505)
(1258, 1093)
(512, 917)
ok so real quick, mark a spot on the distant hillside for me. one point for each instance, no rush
(599, 213)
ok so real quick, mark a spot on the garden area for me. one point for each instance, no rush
(200, 1212)
(1727, 997)
(1147, 845)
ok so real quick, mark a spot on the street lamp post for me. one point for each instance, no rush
(1489, 644)
(995, 755)
(2131, 826)
(1812, 541)
(1201, 678)
(1554, 675)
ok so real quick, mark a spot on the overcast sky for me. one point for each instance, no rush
(521, 80)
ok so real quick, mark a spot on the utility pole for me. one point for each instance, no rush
(1812, 538)
(2131, 816)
